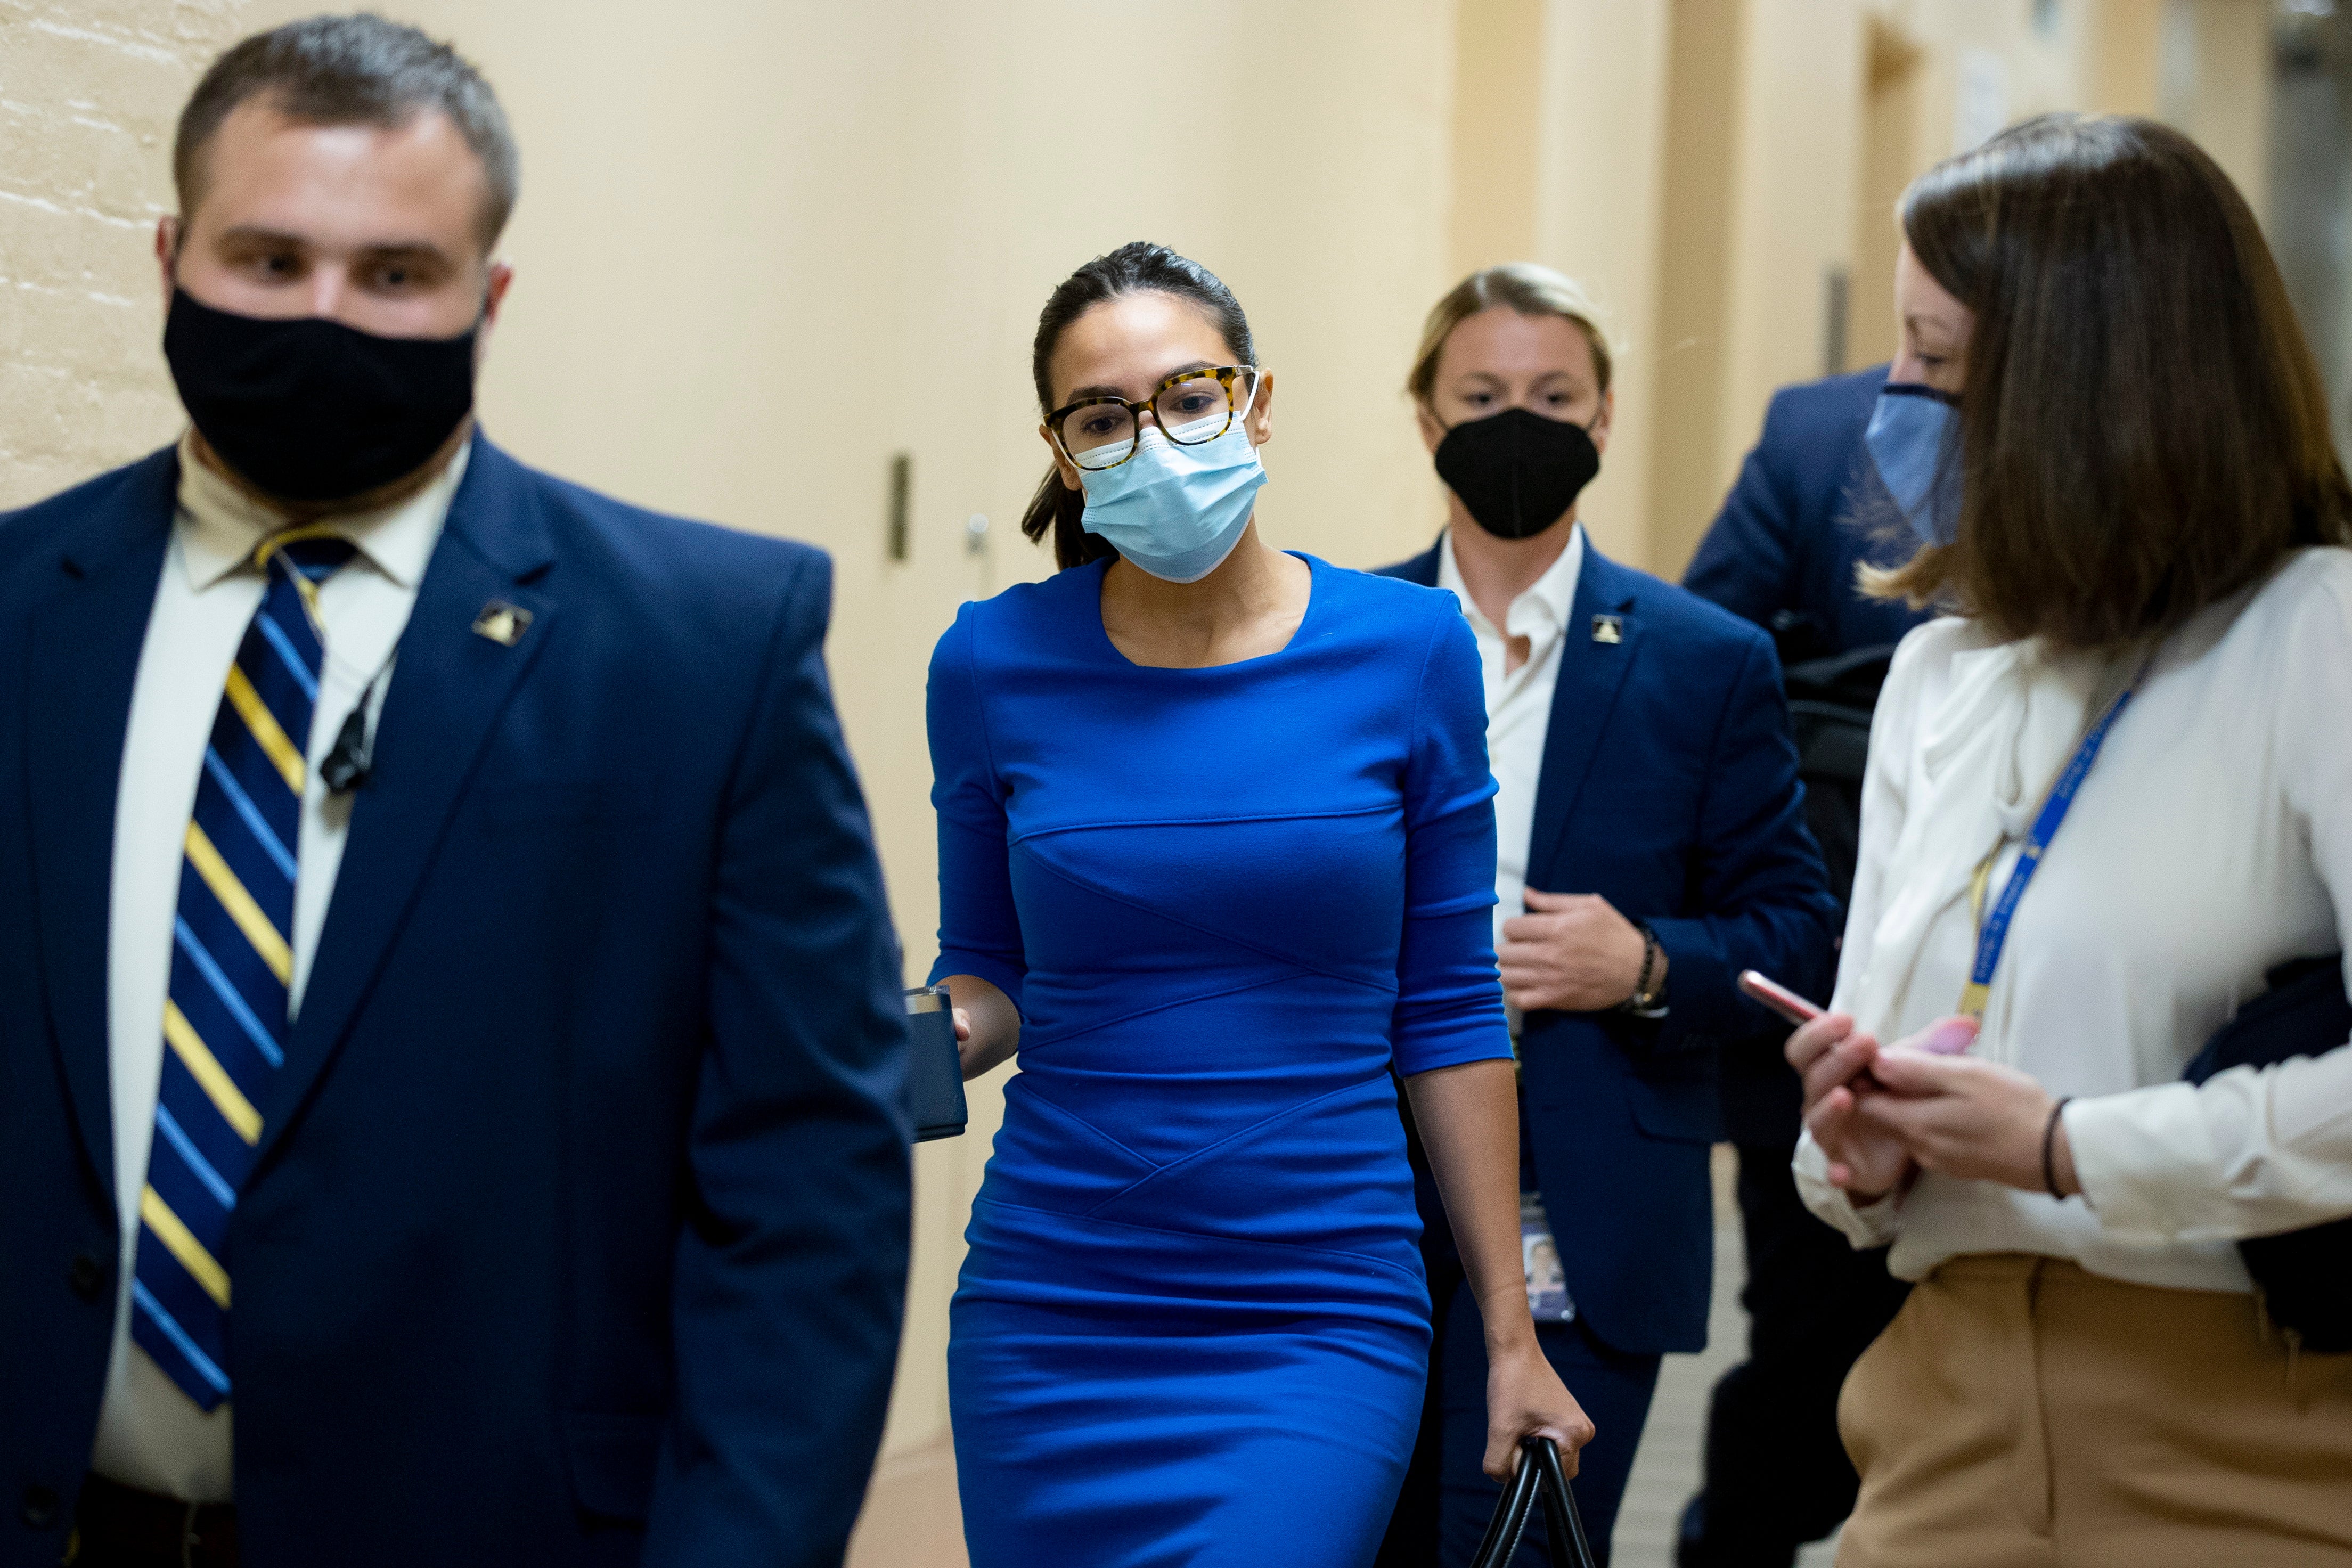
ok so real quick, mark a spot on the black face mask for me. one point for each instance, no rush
(1518, 472)
(311, 410)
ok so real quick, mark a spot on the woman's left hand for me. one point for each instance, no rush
(1525, 1399)
(1971, 1118)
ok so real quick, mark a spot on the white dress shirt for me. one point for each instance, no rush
(2211, 842)
(1519, 704)
(150, 1435)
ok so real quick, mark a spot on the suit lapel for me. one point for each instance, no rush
(84, 660)
(448, 689)
(1590, 674)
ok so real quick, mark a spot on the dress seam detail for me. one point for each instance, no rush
(1292, 960)
(1162, 1007)
(1031, 1092)
(1378, 810)
(1380, 1263)
(1287, 1113)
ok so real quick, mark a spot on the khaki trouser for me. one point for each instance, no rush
(2021, 1412)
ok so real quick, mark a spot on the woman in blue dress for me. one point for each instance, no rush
(1216, 851)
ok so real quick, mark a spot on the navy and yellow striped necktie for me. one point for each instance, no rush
(225, 1019)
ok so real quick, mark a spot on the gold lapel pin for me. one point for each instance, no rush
(1606, 629)
(502, 623)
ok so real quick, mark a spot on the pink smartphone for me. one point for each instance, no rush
(1777, 997)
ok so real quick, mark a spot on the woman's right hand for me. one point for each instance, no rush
(1834, 1059)
(987, 1025)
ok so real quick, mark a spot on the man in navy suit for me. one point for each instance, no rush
(451, 1066)
(1651, 834)
(1805, 514)
(1801, 519)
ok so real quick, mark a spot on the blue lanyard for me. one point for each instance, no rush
(1992, 929)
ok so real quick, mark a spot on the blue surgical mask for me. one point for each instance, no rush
(1913, 440)
(1177, 512)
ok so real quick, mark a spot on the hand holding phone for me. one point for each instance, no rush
(1777, 997)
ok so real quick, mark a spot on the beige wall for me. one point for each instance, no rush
(88, 92)
(2214, 82)
(1558, 140)
(1705, 94)
(1602, 141)
(1890, 158)
(1496, 151)
(1790, 224)
(1764, 103)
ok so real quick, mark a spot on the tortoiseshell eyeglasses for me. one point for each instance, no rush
(1190, 407)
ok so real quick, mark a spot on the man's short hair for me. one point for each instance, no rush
(351, 70)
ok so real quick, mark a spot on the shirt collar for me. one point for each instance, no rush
(219, 525)
(1552, 595)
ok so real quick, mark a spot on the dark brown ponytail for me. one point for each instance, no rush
(1136, 268)
(1058, 507)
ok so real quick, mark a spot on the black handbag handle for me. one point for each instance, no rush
(1540, 1478)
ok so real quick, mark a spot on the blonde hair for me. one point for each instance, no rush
(1526, 286)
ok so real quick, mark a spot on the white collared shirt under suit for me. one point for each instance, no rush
(1519, 705)
(149, 1434)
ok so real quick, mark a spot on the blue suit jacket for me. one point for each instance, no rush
(1669, 787)
(1807, 509)
(580, 1227)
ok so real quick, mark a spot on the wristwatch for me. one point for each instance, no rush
(1648, 998)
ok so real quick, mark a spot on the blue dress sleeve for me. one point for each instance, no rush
(1449, 999)
(979, 929)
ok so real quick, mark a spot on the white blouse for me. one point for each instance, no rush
(2212, 841)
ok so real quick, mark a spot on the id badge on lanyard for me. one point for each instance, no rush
(1992, 925)
(1548, 1298)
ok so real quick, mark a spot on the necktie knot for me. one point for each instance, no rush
(314, 554)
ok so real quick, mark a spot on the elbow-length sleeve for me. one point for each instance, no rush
(1449, 1006)
(2252, 1151)
(979, 929)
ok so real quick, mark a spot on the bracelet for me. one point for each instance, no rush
(1645, 1002)
(2050, 1147)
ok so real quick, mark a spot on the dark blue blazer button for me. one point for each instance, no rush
(40, 1506)
(87, 1274)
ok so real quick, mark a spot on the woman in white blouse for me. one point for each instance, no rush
(2107, 427)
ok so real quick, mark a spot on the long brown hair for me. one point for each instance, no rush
(2142, 429)
(1136, 268)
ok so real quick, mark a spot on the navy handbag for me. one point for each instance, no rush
(2305, 1276)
